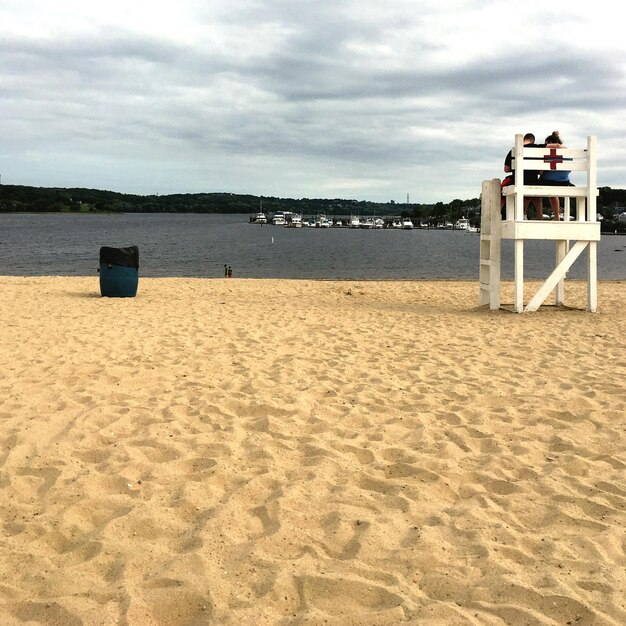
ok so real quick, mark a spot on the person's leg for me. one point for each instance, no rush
(536, 202)
(555, 206)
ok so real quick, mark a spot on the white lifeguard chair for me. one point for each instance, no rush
(584, 229)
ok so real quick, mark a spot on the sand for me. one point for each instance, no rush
(309, 452)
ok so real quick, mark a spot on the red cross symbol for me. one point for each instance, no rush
(553, 158)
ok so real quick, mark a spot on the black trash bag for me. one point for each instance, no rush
(126, 257)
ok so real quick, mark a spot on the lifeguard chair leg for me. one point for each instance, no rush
(559, 292)
(592, 277)
(518, 295)
(562, 247)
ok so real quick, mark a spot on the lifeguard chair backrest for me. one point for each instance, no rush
(568, 159)
(560, 159)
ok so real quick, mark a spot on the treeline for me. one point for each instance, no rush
(17, 198)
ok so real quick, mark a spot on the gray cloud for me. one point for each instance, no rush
(295, 99)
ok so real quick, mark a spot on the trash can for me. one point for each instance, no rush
(119, 271)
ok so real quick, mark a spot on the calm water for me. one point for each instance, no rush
(200, 245)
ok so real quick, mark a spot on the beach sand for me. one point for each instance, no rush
(221, 451)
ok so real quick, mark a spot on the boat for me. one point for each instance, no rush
(258, 218)
(294, 222)
(368, 223)
(379, 222)
(323, 222)
(461, 224)
(354, 222)
(407, 224)
(472, 229)
(279, 219)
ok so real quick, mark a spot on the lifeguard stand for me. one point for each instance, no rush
(584, 229)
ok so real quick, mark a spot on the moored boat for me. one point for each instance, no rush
(279, 219)
(354, 222)
(258, 218)
(295, 221)
(323, 222)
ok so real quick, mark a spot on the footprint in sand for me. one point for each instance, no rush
(44, 613)
(363, 455)
(156, 451)
(268, 516)
(405, 470)
(47, 475)
(175, 604)
(344, 597)
(75, 550)
(343, 537)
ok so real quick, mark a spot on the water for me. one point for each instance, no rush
(199, 245)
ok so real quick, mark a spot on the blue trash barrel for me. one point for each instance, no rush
(119, 271)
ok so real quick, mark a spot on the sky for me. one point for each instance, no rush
(367, 100)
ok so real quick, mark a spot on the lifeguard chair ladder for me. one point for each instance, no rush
(584, 229)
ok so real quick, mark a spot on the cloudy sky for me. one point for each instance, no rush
(367, 99)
